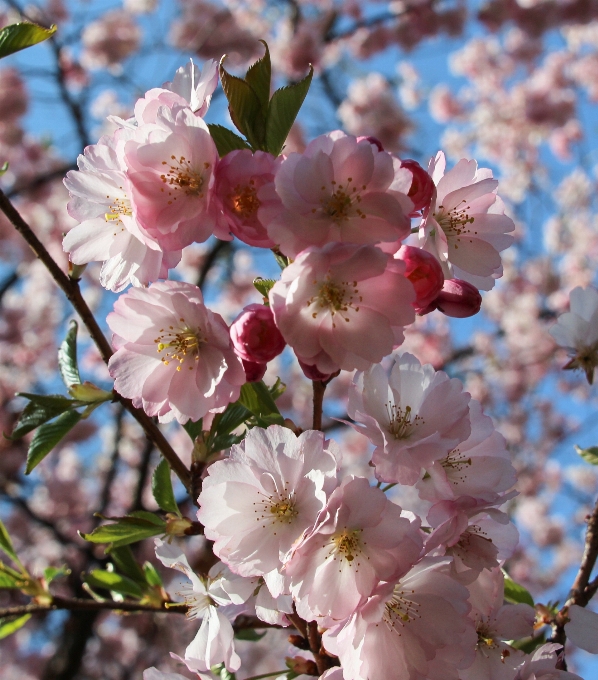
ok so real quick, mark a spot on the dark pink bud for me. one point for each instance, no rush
(255, 336)
(254, 372)
(424, 272)
(459, 299)
(312, 373)
(422, 186)
(373, 141)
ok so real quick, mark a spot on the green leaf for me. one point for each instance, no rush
(47, 436)
(152, 577)
(51, 573)
(220, 670)
(8, 579)
(259, 76)
(162, 488)
(20, 36)
(282, 111)
(244, 107)
(226, 140)
(278, 389)
(257, 399)
(590, 455)
(147, 517)
(263, 286)
(281, 260)
(109, 580)
(4, 168)
(528, 645)
(36, 414)
(249, 634)
(6, 544)
(54, 400)
(516, 594)
(125, 531)
(124, 560)
(67, 357)
(193, 429)
(11, 625)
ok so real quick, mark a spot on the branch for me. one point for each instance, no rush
(70, 287)
(582, 591)
(319, 389)
(81, 604)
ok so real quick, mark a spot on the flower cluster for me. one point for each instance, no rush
(296, 536)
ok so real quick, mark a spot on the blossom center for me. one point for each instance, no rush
(455, 222)
(339, 205)
(347, 544)
(197, 603)
(278, 508)
(402, 422)
(586, 359)
(284, 509)
(338, 298)
(117, 209)
(400, 610)
(178, 345)
(180, 175)
(244, 201)
(455, 464)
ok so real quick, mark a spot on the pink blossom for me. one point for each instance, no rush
(110, 40)
(496, 622)
(424, 272)
(342, 307)
(414, 629)
(13, 95)
(359, 540)
(541, 665)
(191, 87)
(108, 232)
(312, 373)
(479, 467)
(458, 299)
(239, 177)
(174, 357)
(257, 502)
(170, 167)
(577, 331)
(422, 186)
(413, 416)
(582, 628)
(465, 226)
(339, 189)
(255, 336)
(214, 642)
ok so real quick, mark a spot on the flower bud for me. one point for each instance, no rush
(459, 299)
(312, 373)
(254, 371)
(301, 666)
(374, 141)
(424, 272)
(176, 526)
(422, 186)
(254, 334)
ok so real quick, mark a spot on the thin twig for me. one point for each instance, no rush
(319, 389)
(81, 604)
(71, 289)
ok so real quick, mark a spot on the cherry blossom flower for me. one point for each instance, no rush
(108, 41)
(170, 167)
(343, 306)
(173, 355)
(422, 186)
(476, 536)
(257, 502)
(108, 232)
(577, 331)
(413, 629)
(458, 299)
(359, 540)
(496, 622)
(465, 226)
(413, 416)
(582, 628)
(255, 336)
(479, 467)
(424, 272)
(339, 189)
(214, 642)
(541, 665)
(239, 177)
